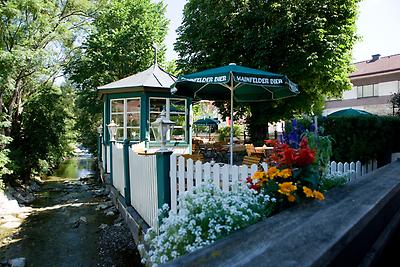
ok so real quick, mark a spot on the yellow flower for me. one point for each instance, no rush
(258, 175)
(286, 188)
(291, 198)
(272, 172)
(318, 195)
(285, 173)
(308, 191)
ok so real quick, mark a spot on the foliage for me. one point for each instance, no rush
(225, 132)
(46, 134)
(331, 181)
(309, 40)
(292, 175)
(4, 140)
(363, 138)
(36, 39)
(120, 44)
(323, 146)
(88, 118)
(205, 215)
(395, 101)
(353, 138)
(297, 129)
(204, 109)
(171, 67)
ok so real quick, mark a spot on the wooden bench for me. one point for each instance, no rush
(248, 160)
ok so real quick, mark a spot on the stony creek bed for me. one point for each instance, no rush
(71, 222)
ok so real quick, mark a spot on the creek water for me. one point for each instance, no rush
(53, 234)
(75, 168)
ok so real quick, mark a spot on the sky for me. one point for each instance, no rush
(378, 25)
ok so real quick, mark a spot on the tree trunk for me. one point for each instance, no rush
(258, 127)
(13, 109)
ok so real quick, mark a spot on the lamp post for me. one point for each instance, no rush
(99, 148)
(112, 130)
(160, 129)
(162, 124)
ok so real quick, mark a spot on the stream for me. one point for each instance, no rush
(66, 227)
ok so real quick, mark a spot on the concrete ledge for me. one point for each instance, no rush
(135, 223)
(339, 231)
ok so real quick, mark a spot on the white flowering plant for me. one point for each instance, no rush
(204, 215)
(336, 179)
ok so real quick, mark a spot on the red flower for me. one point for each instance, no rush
(305, 157)
(288, 155)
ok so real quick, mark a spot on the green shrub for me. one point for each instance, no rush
(357, 138)
(363, 138)
(225, 132)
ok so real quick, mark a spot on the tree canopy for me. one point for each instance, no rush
(36, 40)
(310, 41)
(120, 44)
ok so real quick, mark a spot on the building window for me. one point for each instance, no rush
(126, 113)
(175, 111)
(367, 90)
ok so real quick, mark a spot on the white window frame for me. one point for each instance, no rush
(125, 115)
(375, 90)
(168, 115)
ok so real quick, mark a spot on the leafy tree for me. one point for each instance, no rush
(171, 67)
(308, 40)
(4, 140)
(120, 44)
(395, 101)
(36, 39)
(46, 131)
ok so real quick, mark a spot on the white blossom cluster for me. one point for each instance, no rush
(340, 175)
(204, 215)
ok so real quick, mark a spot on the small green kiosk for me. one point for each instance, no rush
(135, 102)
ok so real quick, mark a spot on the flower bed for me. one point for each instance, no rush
(204, 215)
(208, 214)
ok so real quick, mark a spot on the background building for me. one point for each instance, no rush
(374, 81)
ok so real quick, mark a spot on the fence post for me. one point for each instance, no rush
(127, 189)
(105, 157)
(99, 145)
(111, 162)
(163, 180)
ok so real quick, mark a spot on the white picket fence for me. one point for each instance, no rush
(355, 169)
(186, 174)
(143, 185)
(118, 173)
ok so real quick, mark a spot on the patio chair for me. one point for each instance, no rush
(251, 151)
